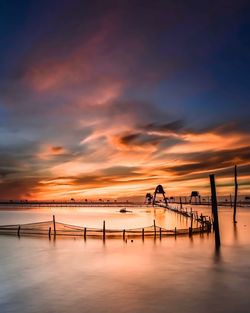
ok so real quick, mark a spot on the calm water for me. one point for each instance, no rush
(70, 275)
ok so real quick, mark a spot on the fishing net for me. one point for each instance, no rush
(49, 228)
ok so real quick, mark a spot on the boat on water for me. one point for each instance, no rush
(124, 210)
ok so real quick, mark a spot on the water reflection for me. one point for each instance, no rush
(235, 232)
(217, 254)
(182, 275)
(94, 217)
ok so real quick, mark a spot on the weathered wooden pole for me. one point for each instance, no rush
(175, 232)
(154, 229)
(54, 225)
(191, 226)
(231, 201)
(18, 231)
(215, 211)
(104, 230)
(235, 193)
(142, 234)
(123, 234)
(85, 233)
(190, 231)
(180, 204)
(160, 232)
(49, 233)
(202, 223)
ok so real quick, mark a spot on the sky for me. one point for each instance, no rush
(108, 99)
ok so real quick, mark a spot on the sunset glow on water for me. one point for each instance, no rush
(38, 275)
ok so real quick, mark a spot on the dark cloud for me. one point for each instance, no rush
(107, 176)
(140, 139)
(19, 188)
(211, 160)
(127, 139)
(4, 171)
(174, 126)
(143, 138)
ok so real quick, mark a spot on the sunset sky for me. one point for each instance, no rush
(110, 98)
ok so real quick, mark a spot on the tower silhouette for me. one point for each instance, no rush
(159, 190)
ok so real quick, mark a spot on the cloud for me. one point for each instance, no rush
(19, 188)
(170, 127)
(200, 164)
(103, 99)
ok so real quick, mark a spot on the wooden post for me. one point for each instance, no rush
(49, 232)
(190, 231)
(123, 234)
(160, 232)
(154, 229)
(231, 201)
(18, 231)
(142, 234)
(54, 225)
(85, 233)
(235, 193)
(202, 222)
(215, 211)
(175, 232)
(104, 230)
(180, 204)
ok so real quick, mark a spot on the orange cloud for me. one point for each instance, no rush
(49, 151)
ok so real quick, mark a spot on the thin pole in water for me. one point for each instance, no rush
(143, 234)
(54, 225)
(231, 202)
(215, 211)
(85, 233)
(49, 232)
(123, 234)
(191, 227)
(18, 231)
(154, 229)
(202, 223)
(103, 230)
(235, 193)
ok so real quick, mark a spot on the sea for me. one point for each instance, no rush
(171, 274)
